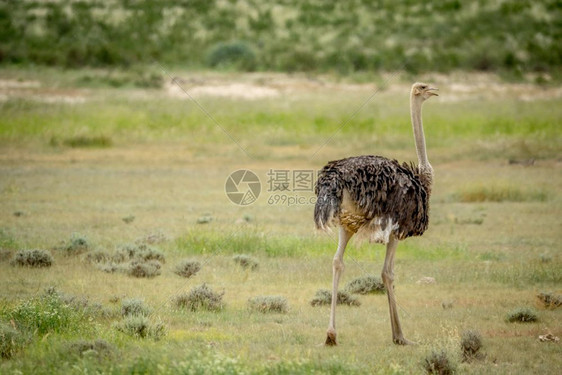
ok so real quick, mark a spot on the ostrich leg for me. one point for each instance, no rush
(338, 267)
(388, 279)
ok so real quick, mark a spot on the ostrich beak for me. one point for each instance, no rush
(431, 89)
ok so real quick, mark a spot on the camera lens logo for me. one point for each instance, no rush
(242, 187)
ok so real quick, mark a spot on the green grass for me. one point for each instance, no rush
(167, 168)
(502, 192)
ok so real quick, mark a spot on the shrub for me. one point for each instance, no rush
(133, 306)
(550, 300)
(471, 342)
(246, 261)
(45, 314)
(238, 55)
(110, 267)
(187, 268)
(141, 327)
(265, 304)
(523, 315)
(77, 245)
(138, 252)
(144, 269)
(11, 341)
(78, 303)
(149, 253)
(365, 285)
(97, 348)
(438, 363)
(88, 141)
(98, 256)
(324, 297)
(33, 258)
(200, 297)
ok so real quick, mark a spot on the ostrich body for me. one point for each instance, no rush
(380, 198)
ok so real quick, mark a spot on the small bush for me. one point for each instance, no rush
(187, 268)
(365, 285)
(83, 141)
(438, 363)
(110, 267)
(11, 341)
(152, 238)
(471, 342)
(141, 327)
(144, 269)
(98, 256)
(246, 261)
(96, 348)
(77, 245)
(550, 300)
(149, 253)
(266, 304)
(133, 306)
(324, 297)
(523, 315)
(138, 252)
(80, 304)
(32, 258)
(200, 297)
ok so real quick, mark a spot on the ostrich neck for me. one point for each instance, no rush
(415, 110)
(425, 169)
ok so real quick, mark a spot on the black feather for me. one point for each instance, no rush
(380, 188)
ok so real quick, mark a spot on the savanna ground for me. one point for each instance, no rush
(115, 165)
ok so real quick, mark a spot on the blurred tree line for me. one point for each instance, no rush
(287, 35)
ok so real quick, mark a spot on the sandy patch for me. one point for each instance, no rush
(234, 90)
(32, 90)
(6, 84)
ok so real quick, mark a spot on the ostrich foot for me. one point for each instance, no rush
(403, 341)
(331, 338)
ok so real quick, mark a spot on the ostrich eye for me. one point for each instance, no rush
(424, 87)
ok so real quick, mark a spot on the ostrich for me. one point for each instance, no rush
(379, 198)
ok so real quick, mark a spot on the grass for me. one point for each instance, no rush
(500, 193)
(167, 167)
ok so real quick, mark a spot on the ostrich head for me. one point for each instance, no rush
(423, 91)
